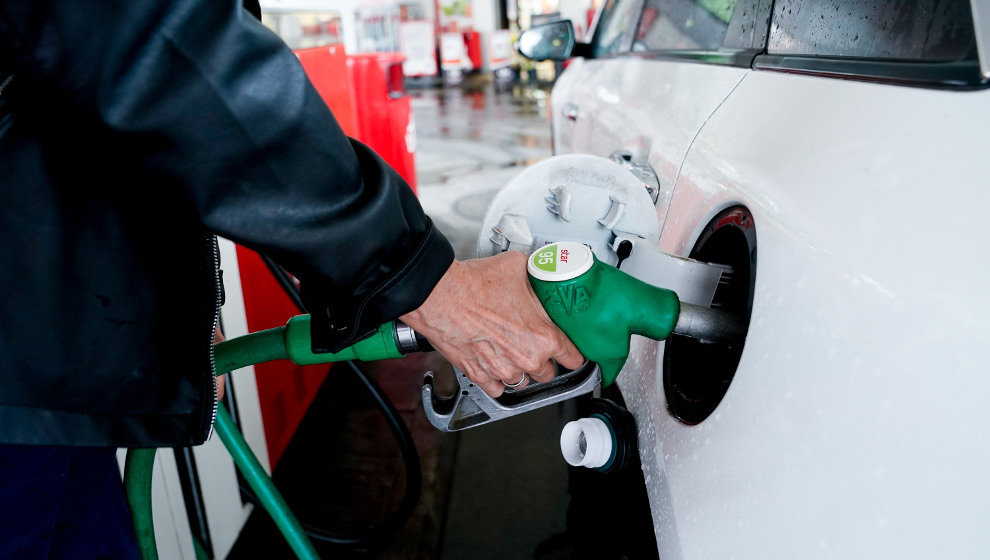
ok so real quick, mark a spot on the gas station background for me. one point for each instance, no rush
(440, 39)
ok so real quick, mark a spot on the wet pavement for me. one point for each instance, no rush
(469, 142)
(493, 492)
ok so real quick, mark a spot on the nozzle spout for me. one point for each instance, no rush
(713, 325)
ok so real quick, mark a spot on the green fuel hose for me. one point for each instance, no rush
(253, 348)
(288, 342)
(263, 487)
(137, 486)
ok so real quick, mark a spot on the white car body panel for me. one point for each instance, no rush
(857, 422)
(612, 99)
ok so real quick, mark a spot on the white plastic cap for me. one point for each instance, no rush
(560, 261)
(586, 443)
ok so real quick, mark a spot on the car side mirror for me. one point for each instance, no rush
(550, 41)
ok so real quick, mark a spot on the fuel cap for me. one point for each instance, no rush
(564, 260)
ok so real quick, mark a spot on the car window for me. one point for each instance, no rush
(615, 27)
(749, 25)
(916, 30)
(683, 24)
(723, 26)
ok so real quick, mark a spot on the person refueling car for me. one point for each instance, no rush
(132, 133)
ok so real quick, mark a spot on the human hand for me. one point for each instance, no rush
(221, 381)
(485, 319)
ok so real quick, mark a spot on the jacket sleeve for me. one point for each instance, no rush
(203, 96)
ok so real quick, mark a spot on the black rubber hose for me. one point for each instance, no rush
(285, 281)
(395, 423)
(413, 471)
(413, 474)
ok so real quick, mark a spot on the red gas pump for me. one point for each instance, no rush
(472, 42)
(326, 68)
(383, 121)
(384, 114)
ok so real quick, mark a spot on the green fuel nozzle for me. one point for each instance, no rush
(598, 306)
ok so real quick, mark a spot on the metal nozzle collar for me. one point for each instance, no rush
(405, 338)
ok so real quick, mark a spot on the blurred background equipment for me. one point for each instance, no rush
(454, 39)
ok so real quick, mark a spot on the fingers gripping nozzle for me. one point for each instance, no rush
(599, 308)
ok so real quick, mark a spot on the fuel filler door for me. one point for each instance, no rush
(573, 197)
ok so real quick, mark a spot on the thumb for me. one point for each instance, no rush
(567, 354)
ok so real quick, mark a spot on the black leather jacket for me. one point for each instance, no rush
(131, 132)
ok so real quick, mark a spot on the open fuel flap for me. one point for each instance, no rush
(574, 197)
(596, 202)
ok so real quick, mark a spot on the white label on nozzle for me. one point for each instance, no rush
(560, 261)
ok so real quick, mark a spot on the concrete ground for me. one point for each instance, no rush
(470, 142)
(494, 492)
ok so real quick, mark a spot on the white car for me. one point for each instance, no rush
(836, 155)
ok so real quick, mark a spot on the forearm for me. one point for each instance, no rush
(199, 96)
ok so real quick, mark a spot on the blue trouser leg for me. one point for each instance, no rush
(62, 502)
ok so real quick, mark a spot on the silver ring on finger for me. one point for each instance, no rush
(516, 384)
